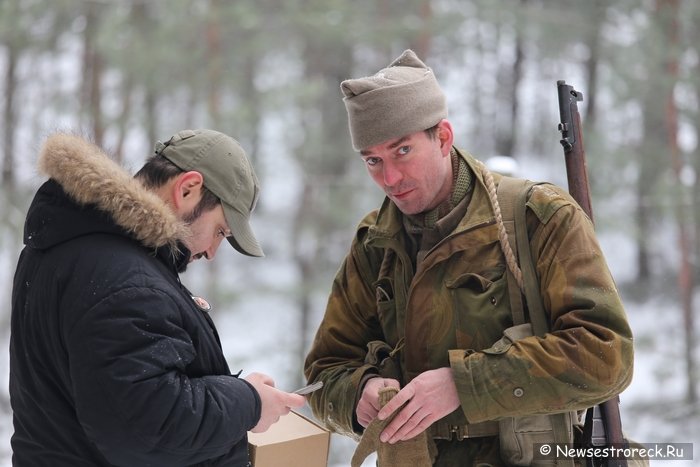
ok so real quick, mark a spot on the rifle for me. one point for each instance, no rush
(602, 425)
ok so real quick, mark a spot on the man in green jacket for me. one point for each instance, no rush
(422, 295)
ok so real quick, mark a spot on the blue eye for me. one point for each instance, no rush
(404, 150)
(371, 161)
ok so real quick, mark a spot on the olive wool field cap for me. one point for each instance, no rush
(398, 100)
(227, 173)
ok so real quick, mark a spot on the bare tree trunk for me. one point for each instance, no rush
(694, 157)
(91, 101)
(505, 139)
(422, 42)
(214, 62)
(475, 91)
(650, 164)
(695, 193)
(150, 103)
(252, 99)
(140, 20)
(668, 13)
(385, 14)
(642, 219)
(123, 118)
(593, 43)
(8, 166)
(304, 261)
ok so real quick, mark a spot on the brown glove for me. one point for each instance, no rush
(416, 452)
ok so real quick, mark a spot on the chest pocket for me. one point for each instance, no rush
(481, 307)
(386, 309)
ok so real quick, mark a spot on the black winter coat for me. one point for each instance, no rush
(111, 361)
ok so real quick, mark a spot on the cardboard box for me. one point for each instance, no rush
(294, 441)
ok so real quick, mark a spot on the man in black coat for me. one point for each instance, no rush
(112, 360)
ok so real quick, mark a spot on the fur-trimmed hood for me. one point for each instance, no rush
(90, 177)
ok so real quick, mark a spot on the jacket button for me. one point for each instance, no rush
(493, 300)
(330, 406)
(518, 392)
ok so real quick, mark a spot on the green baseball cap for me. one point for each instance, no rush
(227, 173)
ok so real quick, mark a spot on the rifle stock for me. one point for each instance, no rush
(603, 424)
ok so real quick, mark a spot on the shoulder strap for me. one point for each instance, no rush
(540, 324)
(508, 189)
(512, 196)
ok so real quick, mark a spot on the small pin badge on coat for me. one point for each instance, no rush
(201, 303)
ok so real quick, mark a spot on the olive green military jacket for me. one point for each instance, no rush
(454, 307)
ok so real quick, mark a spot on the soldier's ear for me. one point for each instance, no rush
(445, 135)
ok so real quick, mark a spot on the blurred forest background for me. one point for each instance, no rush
(126, 73)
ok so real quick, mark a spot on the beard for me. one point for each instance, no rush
(185, 252)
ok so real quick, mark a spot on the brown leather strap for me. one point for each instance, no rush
(441, 430)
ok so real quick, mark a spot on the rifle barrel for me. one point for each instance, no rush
(572, 142)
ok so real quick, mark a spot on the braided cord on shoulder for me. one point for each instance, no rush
(511, 261)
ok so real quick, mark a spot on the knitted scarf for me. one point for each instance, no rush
(427, 229)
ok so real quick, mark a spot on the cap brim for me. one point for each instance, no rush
(243, 238)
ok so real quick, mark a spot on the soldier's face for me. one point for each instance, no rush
(415, 171)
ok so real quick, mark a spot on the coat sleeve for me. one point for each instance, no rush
(134, 399)
(587, 356)
(337, 355)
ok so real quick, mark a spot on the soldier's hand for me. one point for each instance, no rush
(274, 402)
(428, 397)
(368, 405)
